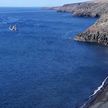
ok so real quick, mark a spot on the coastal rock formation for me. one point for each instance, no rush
(98, 8)
(100, 98)
(97, 32)
(90, 9)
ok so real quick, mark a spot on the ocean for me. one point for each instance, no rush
(41, 66)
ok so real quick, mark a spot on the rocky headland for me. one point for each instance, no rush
(98, 32)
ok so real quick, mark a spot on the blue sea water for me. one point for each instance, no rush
(40, 66)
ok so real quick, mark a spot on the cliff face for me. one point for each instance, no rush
(92, 9)
(100, 97)
(98, 8)
(97, 32)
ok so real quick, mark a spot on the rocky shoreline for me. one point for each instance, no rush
(100, 97)
(97, 33)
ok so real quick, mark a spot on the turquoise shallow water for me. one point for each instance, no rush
(40, 67)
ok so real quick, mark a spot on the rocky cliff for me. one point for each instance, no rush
(100, 97)
(98, 32)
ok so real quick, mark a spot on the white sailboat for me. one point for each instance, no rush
(12, 28)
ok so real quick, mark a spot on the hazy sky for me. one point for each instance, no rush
(34, 3)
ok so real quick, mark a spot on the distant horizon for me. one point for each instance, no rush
(36, 3)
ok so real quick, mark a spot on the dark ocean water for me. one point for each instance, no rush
(40, 67)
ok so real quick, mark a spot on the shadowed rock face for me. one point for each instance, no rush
(100, 98)
(97, 32)
(98, 8)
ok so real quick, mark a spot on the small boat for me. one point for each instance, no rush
(12, 28)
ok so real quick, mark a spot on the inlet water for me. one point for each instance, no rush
(41, 66)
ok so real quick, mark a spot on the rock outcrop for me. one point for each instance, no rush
(100, 98)
(97, 32)
(98, 8)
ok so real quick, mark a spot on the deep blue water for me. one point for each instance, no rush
(40, 66)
